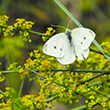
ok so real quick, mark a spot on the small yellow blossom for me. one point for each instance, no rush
(15, 25)
(26, 72)
(73, 87)
(31, 54)
(104, 99)
(50, 31)
(0, 73)
(1, 96)
(8, 88)
(21, 70)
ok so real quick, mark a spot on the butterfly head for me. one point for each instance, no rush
(67, 30)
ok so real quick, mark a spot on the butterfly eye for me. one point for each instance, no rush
(84, 38)
(55, 47)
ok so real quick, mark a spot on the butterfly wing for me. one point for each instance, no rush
(55, 45)
(83, 36)
(81, 39)
(80, 53)
(69, 55)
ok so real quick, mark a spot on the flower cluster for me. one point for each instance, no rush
(50, 31)
(21, 25)
(98, 61)
(106, 47)
(50, 78)
(64, 84)
(25, 103)
(24, 26)
(3, 19)
(4, 28)
(7, 31)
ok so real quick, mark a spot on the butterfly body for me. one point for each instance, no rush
(70, 40)
(66, 46)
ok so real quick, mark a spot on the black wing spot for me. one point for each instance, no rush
(84, 38)
(81, 42)
(55, 47)
(61, 49)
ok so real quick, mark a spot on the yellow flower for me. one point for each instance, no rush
(21, 70)
(47, 33)
(10, 27)
(50, 29)
(26, 72)
(104, 99)
(8, 88)
(0, 73)
(31, 54)
(7, 30)
(1, 96)
(16, 25)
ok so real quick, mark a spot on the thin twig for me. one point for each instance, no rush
(30, 31)
(72, 70)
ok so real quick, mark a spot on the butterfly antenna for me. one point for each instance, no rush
(57, 26)
(69, 23)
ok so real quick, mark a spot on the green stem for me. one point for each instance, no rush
(7, 72)
(30, 31)
(20, 90)
(74, 70)
(2, 92)
(99, 92)
(91, 79)
(95, 51)
(68, 13)
(44, 76)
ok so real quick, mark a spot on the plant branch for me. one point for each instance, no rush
(30, 31)
(20, 90)
(44, 77)
(92, 78)
(74, 70)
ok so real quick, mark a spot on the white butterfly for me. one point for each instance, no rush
(66, 46)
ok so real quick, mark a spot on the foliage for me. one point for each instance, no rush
(56, 81)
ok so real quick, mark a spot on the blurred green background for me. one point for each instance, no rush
(93, 14)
